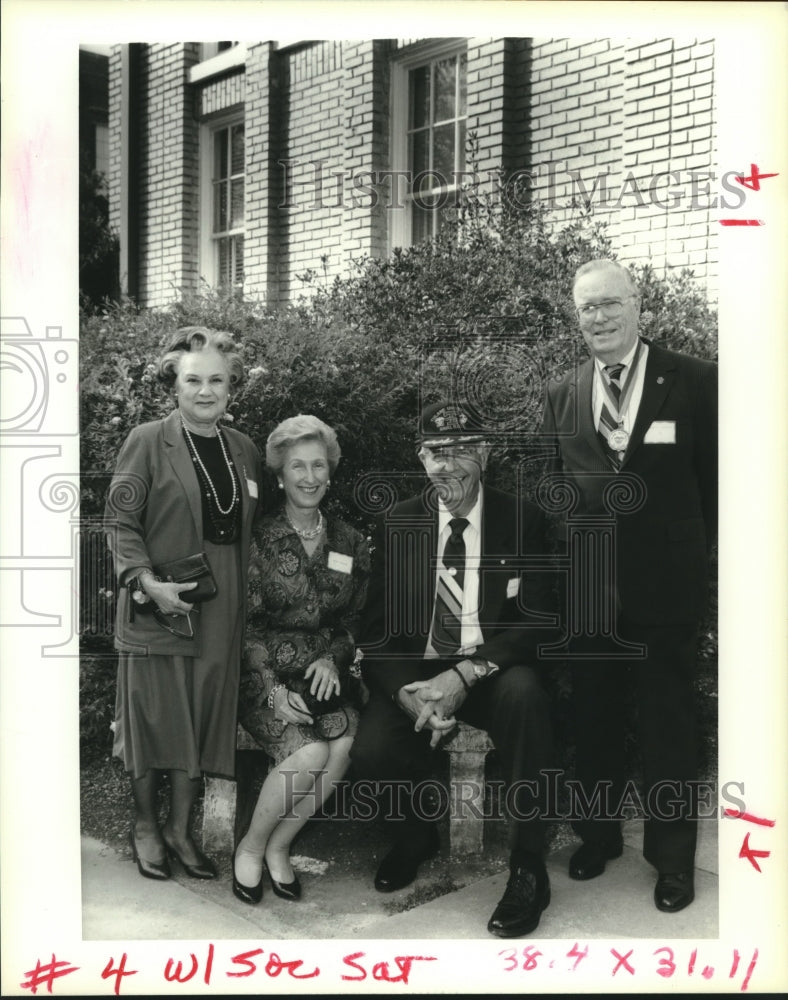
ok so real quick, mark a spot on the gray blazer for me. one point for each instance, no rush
(153, 514)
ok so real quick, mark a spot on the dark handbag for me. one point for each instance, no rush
(315, 707)
(191, 569)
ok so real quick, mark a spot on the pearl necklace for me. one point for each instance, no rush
(198, 461)
(312, 532)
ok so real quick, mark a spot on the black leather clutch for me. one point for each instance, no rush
(191, 569)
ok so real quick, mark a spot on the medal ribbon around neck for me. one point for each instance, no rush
(618, 408)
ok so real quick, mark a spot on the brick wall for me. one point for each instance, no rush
(606, 118)
(591, 120)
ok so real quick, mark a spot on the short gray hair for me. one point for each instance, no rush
(294, 430)
(199, 338)
(606, 264)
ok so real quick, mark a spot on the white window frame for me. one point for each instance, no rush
(213, 63)
(400, 219)
(209, 263)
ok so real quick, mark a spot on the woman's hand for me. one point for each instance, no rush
(325, 678)
(289, 706)
(167, 594)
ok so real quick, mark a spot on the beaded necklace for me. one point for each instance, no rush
(312, 532)
(199, 462)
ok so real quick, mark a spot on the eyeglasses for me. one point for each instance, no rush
(611, 308)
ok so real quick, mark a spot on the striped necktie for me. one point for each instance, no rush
(607, 422)
(447, 621)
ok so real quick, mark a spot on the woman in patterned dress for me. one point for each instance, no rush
(307, 583)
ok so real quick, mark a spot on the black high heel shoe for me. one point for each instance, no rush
(149, 869)
(285, 890)
(205, 868)
(247, 894)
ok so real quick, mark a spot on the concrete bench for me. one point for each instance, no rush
(467, 749)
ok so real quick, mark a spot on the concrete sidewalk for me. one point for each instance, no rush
(340, 902)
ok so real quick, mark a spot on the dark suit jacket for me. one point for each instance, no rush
(662, 545)
(513, 617)
(154, 514)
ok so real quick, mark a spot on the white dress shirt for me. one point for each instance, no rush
(470, 633)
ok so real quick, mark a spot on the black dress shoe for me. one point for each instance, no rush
(285, 890)
(527, 895)
(205, 868)
(149, 869)
(247, 894)
(400, 866)
(674, 892)
(588, 861)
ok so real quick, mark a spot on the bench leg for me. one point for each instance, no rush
(218, 823)
(466, 792)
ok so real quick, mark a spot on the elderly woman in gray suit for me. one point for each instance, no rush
(179, 518)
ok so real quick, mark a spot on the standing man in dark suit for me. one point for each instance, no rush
(649, 417)
(453, 623)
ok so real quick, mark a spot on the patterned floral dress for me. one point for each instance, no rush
(301, 607)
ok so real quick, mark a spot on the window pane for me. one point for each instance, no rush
(461, 145)
(463, 83)
(220, 154)
(445, 81)
(237, 204)
(223, 255)
(238, 244)
(419, 153)
(443, 151)
(420, 97)
(237, 142)
(220, 207)
(422, 224)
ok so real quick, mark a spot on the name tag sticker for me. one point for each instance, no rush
(661, 432)
(512, 586)
(340, 562)
(251, 485)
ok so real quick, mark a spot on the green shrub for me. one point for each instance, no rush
(483, 311)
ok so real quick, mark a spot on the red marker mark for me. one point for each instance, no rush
(753, 182)
(742, 222)
(749, 970)
(735, 814)
(119, 973)
(46, 974)
(708, 972)
(751, 854)
(576, 954)
(622, 960)
(693, 956)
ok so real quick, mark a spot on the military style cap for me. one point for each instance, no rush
(446, 423)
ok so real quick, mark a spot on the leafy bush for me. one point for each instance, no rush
(484, 311)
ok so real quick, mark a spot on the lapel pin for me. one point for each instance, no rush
(452, 570)
(660, 380)
(503, 562)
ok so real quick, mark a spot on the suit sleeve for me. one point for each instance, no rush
(382, 667)
(518, 645)
(707, 450)
(124, 514)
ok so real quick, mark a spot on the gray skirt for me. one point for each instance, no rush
(180, 712)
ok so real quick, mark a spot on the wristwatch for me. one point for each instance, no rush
(482, 668)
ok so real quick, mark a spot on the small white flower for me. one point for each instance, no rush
(109, 594)
(228, 417)
(115, 421)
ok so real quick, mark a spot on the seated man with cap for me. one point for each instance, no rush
(453, 625)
